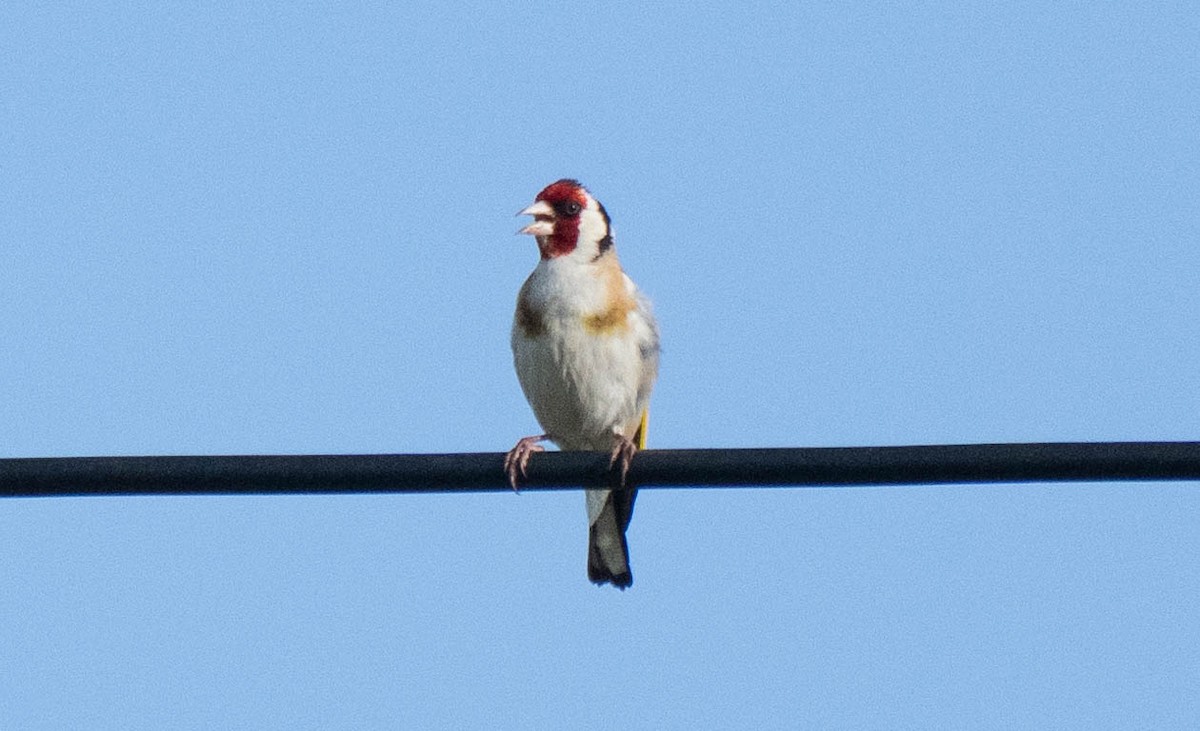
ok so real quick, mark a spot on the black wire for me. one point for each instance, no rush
(417, 473)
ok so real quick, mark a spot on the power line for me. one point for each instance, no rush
(420, 473)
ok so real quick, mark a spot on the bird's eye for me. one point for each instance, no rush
(568, 208)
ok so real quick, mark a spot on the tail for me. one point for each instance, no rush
(608, 552)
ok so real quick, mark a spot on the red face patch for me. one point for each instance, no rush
(567, 198)
(562, 191)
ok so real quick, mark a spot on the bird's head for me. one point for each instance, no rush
(568, 221)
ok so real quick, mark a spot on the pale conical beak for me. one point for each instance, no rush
(543, 223)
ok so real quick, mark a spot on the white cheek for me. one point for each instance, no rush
(591, 230)
(591, 227)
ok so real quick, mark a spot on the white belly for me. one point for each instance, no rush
(583, 387)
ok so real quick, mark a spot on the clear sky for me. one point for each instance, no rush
(232, 231)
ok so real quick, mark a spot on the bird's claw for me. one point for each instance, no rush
(622, 456)
(517, 459)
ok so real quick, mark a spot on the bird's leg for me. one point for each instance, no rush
(622, 455)
(517, 458)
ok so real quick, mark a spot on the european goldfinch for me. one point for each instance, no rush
(585, 346)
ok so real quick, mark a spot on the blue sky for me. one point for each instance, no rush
(290, 230)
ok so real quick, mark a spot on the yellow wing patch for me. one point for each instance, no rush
(640, 438)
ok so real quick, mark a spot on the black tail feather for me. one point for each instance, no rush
(608, 552)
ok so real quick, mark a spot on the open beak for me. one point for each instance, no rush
(543, 219)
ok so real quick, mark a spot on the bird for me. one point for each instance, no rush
(586, 349)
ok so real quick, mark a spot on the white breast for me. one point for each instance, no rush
(584, 387)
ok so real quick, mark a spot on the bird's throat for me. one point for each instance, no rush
(562, 242)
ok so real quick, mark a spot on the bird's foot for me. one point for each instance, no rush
(517, 458)
(622, 456)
